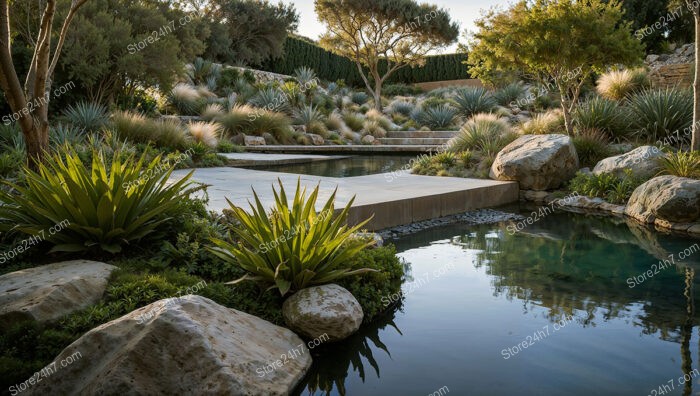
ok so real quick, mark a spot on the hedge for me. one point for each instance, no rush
(300, 52)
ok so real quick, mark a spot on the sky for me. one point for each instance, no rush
(465, 12)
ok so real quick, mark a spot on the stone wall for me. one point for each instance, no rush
(675, 69)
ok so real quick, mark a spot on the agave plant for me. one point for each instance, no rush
(88, 116)
(11, 137)
(105, 207)
(359, 98)
(470, 101)
(293, 247)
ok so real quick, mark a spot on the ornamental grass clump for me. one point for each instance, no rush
(293, 247)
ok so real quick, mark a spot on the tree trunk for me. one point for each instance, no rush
(695, 145)
(568, 120)
(37, 142)
(378, 96)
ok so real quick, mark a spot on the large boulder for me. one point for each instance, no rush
(327, 312)
(643, 162)
(51, 291)
(254, 140)
(669, 198)
(537, 162)
(316, 140)
(189, 346)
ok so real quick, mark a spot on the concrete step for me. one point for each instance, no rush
(422, 134)
(414, 141)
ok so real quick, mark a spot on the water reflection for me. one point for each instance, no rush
(563, 265)
(351, 356)
(348, 167)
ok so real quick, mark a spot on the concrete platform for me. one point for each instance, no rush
(393, 198)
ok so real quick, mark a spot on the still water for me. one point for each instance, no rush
(564, 307)
(360, 165)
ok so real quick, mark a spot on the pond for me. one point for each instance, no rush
(360, 165)
(570, 305)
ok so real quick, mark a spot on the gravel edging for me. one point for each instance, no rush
(475, 217)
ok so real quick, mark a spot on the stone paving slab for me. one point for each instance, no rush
(354, 149)
(393, 199)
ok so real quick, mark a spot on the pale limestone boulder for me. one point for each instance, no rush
(189, 346)
(51, 291)
(254, 140)
(643, 162)
(368, 139)
(316, 140)
(670, 198)
(324, 312)
(537, 162)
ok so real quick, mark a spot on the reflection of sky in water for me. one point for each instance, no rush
(452, 329)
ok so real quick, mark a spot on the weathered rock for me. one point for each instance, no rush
(323, 310)
(269, 139)
(190, 346)
(254, 141)
(317, 140)
(643, 162)
(51, 291)
(533, 196)
(368, 139)
(670, 198)
(537, 162)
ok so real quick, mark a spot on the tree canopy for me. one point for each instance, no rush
(554, 41)
(401, 32)
(249, 31)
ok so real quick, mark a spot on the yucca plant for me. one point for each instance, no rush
(681, 164)
(438, 118)
(509, 94)
(359, 98)
(293, 247)
(471, 101)
(271, 99)
(401, 107)
(603, 115)
(306, 77)
(106, 207)
(88, 116)
(658, 114)
(61, 134)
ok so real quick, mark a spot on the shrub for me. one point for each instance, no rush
(438, 118)
(606, 185)
(293, 247)
(138, 129)
(659, 114)
(205, 133)
(603, 115)
(544, 124)
(509, 94)
(682, 164)
(486, 133)
(101, 207)
(591, 146)
(401, 90)
(471, 101)
(88, 116)
(619, 84)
